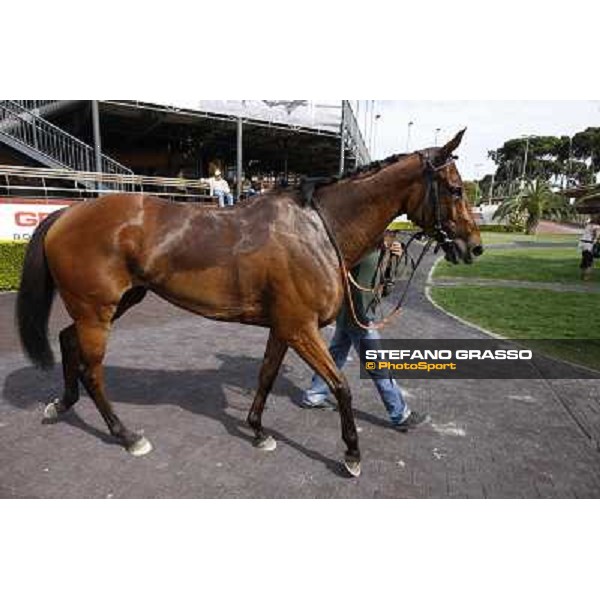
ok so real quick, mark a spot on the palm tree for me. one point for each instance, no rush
(536, 201)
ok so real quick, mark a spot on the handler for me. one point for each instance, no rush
(348, 334)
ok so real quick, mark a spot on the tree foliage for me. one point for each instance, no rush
(557, 160)
(535, 202)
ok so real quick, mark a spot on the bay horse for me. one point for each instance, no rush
(272, 261)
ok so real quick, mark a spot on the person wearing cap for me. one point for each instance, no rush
(220, 188)
(348, 334)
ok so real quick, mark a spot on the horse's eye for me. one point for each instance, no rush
(456, 190)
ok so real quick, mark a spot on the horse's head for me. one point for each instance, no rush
(444, 212)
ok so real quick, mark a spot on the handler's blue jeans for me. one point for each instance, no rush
(389, 391)
(223, 198)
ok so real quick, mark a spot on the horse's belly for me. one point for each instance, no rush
(213, 293)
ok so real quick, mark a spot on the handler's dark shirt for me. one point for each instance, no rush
(363, 274)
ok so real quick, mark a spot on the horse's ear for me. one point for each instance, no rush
(446, 151)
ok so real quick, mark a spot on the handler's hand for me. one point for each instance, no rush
(396, 248)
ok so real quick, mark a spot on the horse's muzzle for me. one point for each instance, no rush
(458, 250)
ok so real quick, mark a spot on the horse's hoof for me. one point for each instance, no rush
(266, 444)
(353, 467)
(140, 447)
(51, 410)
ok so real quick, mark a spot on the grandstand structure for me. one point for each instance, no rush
(586, 199)
(273, 141)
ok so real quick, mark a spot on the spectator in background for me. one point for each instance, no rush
(589, 244)
(220, 188)
(255, 188)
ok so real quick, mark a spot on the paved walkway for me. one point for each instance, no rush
(188, 383)
(552, 227)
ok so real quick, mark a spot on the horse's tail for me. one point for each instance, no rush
(35, 296)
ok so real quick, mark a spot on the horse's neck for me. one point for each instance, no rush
(360, 209)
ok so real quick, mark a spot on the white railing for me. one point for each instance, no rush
(39, 183)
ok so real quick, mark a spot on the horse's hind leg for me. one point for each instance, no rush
(92, 335)
(309, 344)
(276, 349)
(70, 365)
(71, 361)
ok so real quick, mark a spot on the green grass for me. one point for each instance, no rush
(560, 265)
(552, 318)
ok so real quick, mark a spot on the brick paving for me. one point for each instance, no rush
(188, 383)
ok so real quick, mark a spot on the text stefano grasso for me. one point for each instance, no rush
(470, 354)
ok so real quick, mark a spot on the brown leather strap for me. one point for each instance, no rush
(347, 277)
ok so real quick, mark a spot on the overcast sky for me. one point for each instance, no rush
(489, 124)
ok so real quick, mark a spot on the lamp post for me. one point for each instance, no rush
(525, 160)
(410, 124)
(569, 164)
(372, 127)
(492, 187)
(477, 171)
(374, 138)
(437, 131)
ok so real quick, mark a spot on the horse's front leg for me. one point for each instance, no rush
(310, 346)
(276, 349)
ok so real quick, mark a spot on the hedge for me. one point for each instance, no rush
(496, 227)
(11, 263)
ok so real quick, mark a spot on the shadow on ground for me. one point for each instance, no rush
(201, 392)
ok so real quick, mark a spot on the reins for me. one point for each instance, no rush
(347, 278)
(440, 236)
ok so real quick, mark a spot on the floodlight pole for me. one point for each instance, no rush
(239, 159)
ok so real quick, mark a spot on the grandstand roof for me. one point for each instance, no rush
(302, 138)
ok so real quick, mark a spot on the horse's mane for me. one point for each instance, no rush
(308, 185)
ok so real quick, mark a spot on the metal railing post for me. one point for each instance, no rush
(342, 137)
(239, 159)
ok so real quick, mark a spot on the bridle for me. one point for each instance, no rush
(432, 196)
(440, 235)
